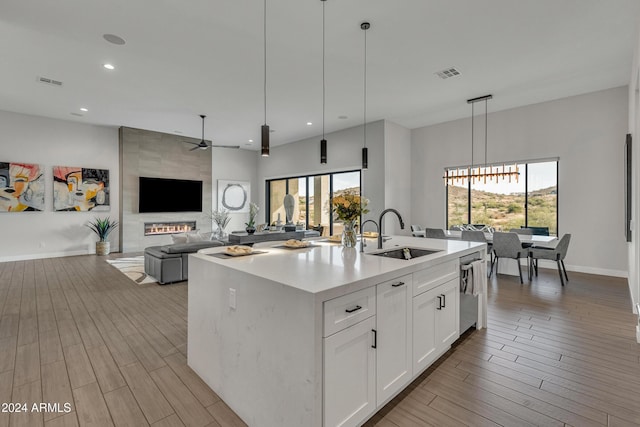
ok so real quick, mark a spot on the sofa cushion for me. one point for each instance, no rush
(179, 238)
(180, 248)
(156, 251)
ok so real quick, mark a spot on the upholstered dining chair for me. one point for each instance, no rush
(507, 245)
(523, 231)
(478, 236)
(414, 228)
(434, 233)
(556, 254)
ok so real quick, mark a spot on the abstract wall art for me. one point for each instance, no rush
(80, 189)
(234, 196)
(21, 187)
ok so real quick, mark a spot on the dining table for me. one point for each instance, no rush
(527, 240)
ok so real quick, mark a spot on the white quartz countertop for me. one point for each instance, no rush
(325, 266)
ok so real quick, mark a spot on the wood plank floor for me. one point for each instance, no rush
(75, 330)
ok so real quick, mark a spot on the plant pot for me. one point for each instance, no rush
(103, 248)
(250, 230)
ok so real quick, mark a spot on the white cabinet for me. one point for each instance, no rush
(350, 375)
(394, 337)
(435, 323)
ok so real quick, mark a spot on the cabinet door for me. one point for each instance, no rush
(447, 319)
(394, 337)
(349, 375)
(425, 345)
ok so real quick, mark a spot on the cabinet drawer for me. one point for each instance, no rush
(347, 310)
(431, 277)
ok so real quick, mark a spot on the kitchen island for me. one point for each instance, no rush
(324, 335)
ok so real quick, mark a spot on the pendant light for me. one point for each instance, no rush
(265, 127)
(365, 152)
(486, 172)
(323, 141)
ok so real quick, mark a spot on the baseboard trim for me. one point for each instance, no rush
(583, 269)
(27, 257)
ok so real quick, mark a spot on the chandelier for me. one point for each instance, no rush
(476, 173)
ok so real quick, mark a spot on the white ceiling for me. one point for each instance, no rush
(185, 58)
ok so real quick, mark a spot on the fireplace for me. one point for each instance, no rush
(157, 228)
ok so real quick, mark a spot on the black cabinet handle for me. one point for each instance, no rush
(395, 285)
(439, 302)
(375, 338)
(444, 300)
(351, 310)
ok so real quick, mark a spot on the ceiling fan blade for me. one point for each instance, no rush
(225, 146)
(197, 147)
(194, 143)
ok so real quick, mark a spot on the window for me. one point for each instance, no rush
(313, 195)
(531, 200)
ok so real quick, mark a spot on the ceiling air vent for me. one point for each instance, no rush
(49, 81)
(448, 72)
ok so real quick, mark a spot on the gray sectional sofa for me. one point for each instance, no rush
(170, 263)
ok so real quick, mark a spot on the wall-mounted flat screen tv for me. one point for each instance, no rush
(169, 195)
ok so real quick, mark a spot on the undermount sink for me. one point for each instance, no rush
(405, 253)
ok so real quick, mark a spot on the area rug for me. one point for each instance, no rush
(133, 268)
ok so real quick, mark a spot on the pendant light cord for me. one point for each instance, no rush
(485, 132)
(472, 119)
(365, 88)
(265, 61)
(323, 71)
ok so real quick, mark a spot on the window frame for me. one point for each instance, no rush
(307, 183)
(526, 164)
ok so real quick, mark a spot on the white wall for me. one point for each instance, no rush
(343, 153)
(237, 165)
(50, 142)
(586, 132)
(397, 176)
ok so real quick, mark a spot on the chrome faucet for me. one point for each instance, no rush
(362, 243)
(380, 224)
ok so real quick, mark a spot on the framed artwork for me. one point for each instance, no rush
(21, 187)
(79, 189)
(234, 196)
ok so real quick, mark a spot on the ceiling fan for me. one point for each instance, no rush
(203, 145)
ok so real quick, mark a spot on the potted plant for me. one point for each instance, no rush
(251, 225)
(102, 227)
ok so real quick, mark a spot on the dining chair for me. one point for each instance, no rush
(556, 254)
(523, 231)
(507, 245)
(478, 236)
(415, 228)
(434, 233)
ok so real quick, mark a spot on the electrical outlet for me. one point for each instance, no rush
(232, 298)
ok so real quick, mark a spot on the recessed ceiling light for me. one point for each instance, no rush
(112, 38)
(251, 140)
(109, 66)
(83, 109)
(309, 123)
(343, 117)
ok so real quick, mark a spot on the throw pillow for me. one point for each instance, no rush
(179, 238)
(194, 237)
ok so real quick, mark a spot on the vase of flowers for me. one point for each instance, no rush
(253, 212)
(220, 218)
(348, 207)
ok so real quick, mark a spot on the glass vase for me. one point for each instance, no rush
(349, 234)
